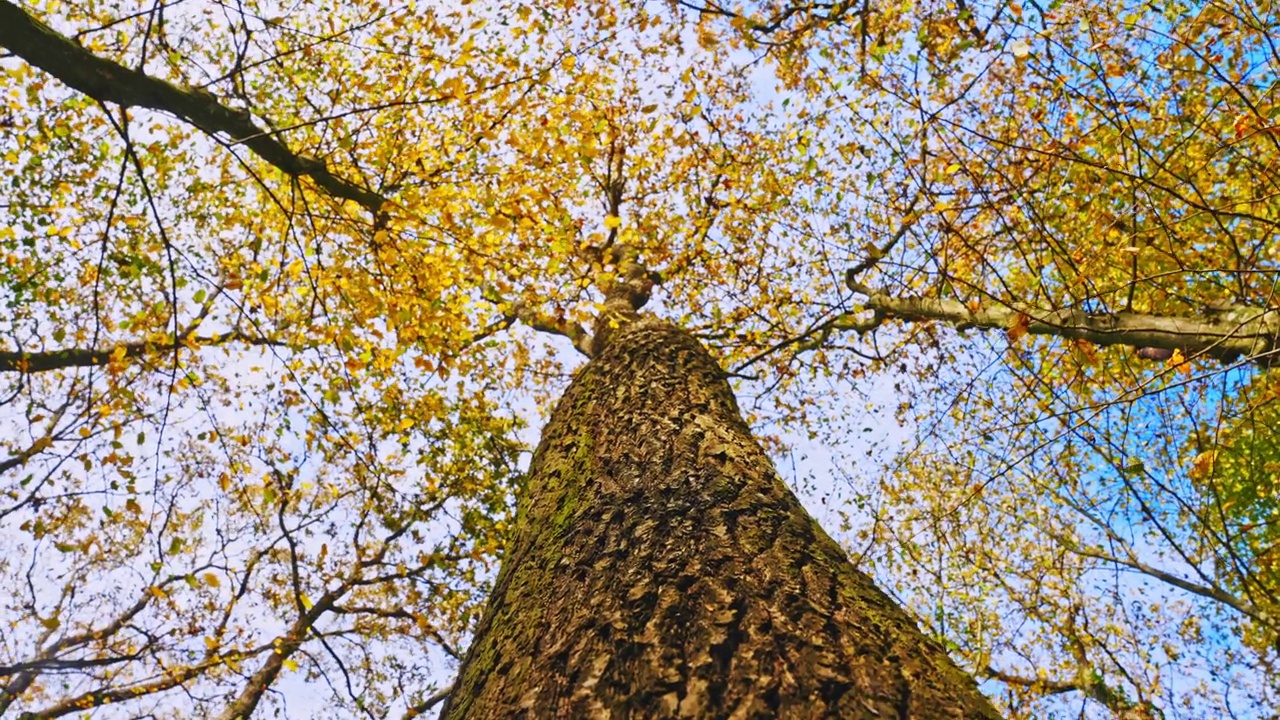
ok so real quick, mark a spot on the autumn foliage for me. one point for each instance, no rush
(287, 289)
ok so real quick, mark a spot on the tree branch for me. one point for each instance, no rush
(876, 254)
(171, 678)
(33, 362)
(401, 614)
(541, 322)
(107, 81)
(1093, 688)
(1226, 335)
(287, 644)
(419, 709)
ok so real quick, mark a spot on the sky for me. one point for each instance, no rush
(830, 473)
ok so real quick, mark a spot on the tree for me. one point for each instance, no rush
(272, 275)
(661, 568)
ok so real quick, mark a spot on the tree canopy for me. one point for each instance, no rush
(289, 286)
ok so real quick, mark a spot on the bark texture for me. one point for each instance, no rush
(660, 568)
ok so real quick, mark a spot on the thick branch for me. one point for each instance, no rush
(425, 706)
(98, 698)
(247, 701)
(556, 326)
(1210, 592)
(33, 362)
(1225, 335)
(28, 672)
(107, 81)
(173, 677)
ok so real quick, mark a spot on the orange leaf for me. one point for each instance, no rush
(1018, 327)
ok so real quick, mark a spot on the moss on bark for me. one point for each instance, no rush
(660, 568)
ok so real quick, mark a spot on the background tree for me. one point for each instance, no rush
(272, 274)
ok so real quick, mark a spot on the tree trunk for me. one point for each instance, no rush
(660, 568)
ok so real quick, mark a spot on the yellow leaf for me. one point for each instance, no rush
(290, 664)
(952, 169)
(568, 63)
(1202, 466)
(211, 579)
(1018, 327)
(612, 221)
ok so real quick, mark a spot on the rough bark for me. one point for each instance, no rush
(660, 568)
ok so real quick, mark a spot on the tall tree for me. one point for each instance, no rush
(281, 282)
(659, 567)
